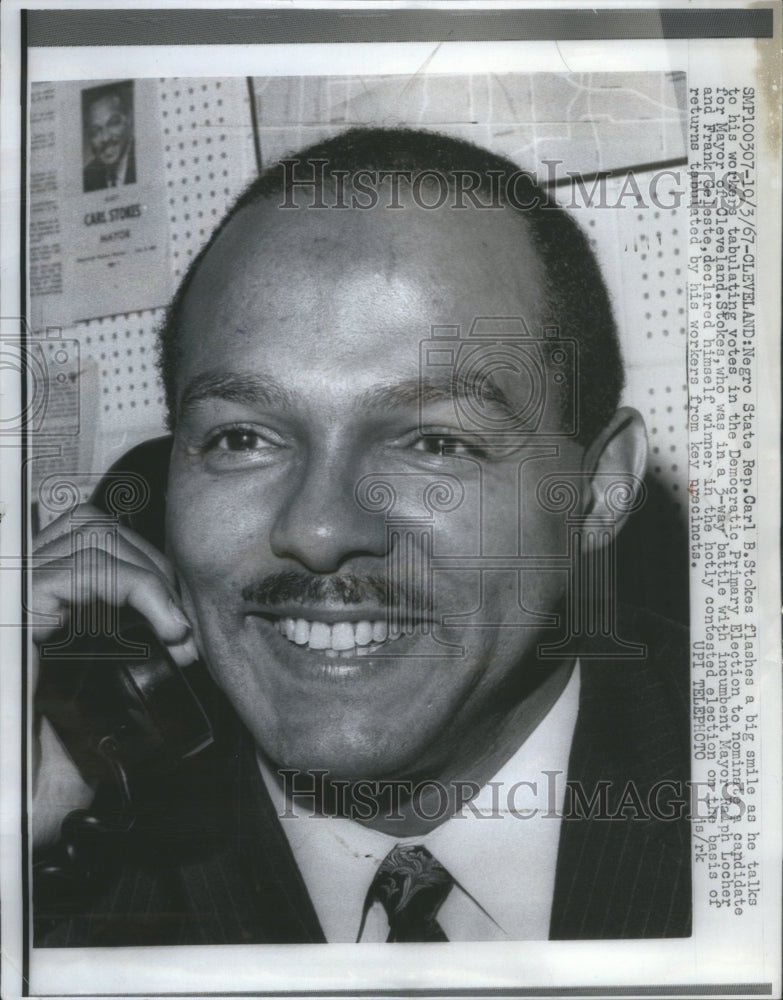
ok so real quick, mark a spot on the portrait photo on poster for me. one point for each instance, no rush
(107, 127)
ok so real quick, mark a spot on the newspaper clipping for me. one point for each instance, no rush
(390, 520)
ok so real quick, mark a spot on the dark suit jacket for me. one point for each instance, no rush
(214, 865)
(95, 176)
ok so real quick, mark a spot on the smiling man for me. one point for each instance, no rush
(396, 450)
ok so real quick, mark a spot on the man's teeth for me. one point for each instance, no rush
(340, 637)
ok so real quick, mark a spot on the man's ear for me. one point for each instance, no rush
(615, 464)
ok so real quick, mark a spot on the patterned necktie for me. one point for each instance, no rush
(412, 886)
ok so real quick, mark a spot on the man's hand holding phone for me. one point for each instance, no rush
(79, 561)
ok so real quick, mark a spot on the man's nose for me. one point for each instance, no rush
(320, 523)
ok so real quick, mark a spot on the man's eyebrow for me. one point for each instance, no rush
(248, 388)
(253, 389)
(420, 391)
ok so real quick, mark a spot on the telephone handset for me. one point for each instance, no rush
(131, 724)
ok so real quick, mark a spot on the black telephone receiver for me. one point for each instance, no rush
(135, 724)
(124, 717)
(126, 713)
(131, 721)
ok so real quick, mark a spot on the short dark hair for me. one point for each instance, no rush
(120, 91)
(575, 296)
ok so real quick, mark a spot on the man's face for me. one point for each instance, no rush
(299, 391)
(109, 129)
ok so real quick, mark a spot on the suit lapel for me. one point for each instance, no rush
(250, 890)
(279, 885)
(625, 870)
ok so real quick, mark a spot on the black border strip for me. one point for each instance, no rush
(53, 28)
(25, 457)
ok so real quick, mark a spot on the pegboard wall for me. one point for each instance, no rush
(588, 122)
(648, 288)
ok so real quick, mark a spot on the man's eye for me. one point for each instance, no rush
(236, 448)
(237, 439)
(238, 443)
(445, 444)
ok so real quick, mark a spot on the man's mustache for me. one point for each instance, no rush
(294, 586)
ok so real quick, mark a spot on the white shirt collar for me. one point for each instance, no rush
(122, 166)
(504, 868)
